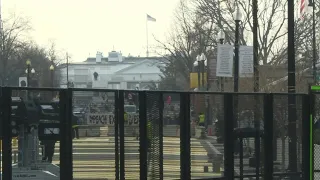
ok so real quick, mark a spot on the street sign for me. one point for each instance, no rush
(246, 61)
(225, 60)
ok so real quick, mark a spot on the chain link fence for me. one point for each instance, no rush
(207, 135)
(316, 135)
(283, 141)
(95, 155)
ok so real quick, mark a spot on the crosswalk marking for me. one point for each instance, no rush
(94, 158)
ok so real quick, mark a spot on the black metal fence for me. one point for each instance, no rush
(140, 136)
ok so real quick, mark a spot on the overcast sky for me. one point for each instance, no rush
(83, 27)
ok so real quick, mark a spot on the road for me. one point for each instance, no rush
(94, 158)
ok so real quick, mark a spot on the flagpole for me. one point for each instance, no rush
(147, 34)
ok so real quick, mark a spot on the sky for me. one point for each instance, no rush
(83, 27)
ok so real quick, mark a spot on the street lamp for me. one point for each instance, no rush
(237, 19)
(51, 68)
(203, 59)
(197, 64)
(221, 39)
(28, 63)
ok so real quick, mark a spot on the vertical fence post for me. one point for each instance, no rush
(69, 133)
(229, 137)
(121, 129)
(143, 135)
(116, 135)
(66, 156)
(161, 105)
(257, 139)
(185, 155)
(6, 132)
(268, 136)
(63, 133)
(307, 144)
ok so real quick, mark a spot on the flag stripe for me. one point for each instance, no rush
(302, 8)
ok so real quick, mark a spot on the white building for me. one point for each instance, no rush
(113, 72)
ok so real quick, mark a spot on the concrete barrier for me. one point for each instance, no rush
(200, 132)
(215, 157)
(132, 130)
(128, 130)
(168, 131)
(89, 131)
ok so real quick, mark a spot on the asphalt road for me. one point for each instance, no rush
(94, 158)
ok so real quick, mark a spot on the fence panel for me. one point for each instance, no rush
(95, 143)
(316, 135)
(287, 147)
(206, 137)
(35, 126)
(154, 134)
(249, 126)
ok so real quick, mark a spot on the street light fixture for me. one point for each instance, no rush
(28, 62)
(221, 37)
(51, 68)
(33, 71)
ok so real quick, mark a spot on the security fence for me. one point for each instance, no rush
(119, 134)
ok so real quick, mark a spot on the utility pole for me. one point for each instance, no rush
(291, 90)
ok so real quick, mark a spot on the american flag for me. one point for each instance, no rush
(302, 8)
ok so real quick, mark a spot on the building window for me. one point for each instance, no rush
(81, 78)
(81, 71)
(113, 85)
(132, 85)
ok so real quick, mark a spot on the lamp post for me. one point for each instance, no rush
(203, 60)
(237, 19)
(221, 40)
(197, 64)
(28, 62)
(51, 68)
(292, 117)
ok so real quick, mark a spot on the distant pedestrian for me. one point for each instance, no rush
(201, 119)
(49, 146)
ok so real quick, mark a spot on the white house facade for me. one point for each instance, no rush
(112, 72)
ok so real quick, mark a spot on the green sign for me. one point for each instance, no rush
(315, 88)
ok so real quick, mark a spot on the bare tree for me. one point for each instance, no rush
(271, 25)
(11, 41)
(190, 36)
